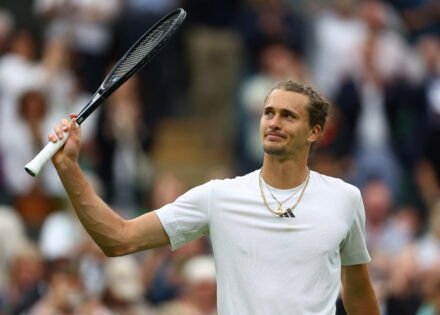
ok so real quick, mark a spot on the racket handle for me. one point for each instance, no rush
(34, 167)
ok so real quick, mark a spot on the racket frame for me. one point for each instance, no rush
(106, 88)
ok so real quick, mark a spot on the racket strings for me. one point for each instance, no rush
(144, 47)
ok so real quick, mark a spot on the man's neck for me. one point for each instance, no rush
(284, 174)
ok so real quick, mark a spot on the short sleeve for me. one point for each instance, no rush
(354, 249)
(187, 218)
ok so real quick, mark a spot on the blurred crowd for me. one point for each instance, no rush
(377, 61)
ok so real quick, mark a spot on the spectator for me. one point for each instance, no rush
(61, 235)
(420, 17)
(26, 282)
(135, 18)
(12, 235)
(64, 292)
(6, 26)
(372, 102)
(263, 23)
(63, 239)
(427, 250)
(431, 291)
(198, 294)
(124, 293)
(401, 294)
(18, 72)
(123, 139)
(411, 283)
(337, 34)
(428, 170)
(32, 199)
(378, 203)
(62, 87)
(89, 26)
(166, 282)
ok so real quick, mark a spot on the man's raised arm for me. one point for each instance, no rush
(114, 235)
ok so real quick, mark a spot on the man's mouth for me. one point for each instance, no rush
(274, 136)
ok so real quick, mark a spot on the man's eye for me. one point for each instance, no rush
(269, 114)
(290, 115)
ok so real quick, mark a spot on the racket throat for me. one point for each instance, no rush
(94, 102)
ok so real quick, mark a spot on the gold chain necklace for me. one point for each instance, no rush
(295, 191)
(280, 211)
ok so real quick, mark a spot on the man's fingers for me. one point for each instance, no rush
(73, 124)
(58, 132)
(52, 138)
(65, 125)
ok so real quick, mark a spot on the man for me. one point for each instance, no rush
(279, 235)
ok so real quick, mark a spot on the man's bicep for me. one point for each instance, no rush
(146, 232)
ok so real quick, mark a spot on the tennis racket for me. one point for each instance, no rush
(133, 60)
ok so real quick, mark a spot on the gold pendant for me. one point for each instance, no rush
(280, 210)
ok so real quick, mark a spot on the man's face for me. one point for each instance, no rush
(284, 126)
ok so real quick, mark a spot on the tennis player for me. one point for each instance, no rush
(283, 236)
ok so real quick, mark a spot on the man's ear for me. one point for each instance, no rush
(315, 133)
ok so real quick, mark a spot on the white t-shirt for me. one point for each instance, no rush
(267, 264)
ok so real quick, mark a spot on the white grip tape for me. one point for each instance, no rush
(34, 167)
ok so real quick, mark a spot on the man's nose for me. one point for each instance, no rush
(275, 122)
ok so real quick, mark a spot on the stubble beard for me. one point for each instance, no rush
(277, 151)
(281, 152)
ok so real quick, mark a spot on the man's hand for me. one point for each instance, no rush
(68, 154)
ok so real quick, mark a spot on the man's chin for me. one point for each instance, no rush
(273, 150)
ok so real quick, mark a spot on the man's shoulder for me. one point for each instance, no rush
(246, 180)
(237, 179)
(335, 183)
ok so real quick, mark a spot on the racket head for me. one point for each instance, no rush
(133, 60)
(143, 50)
